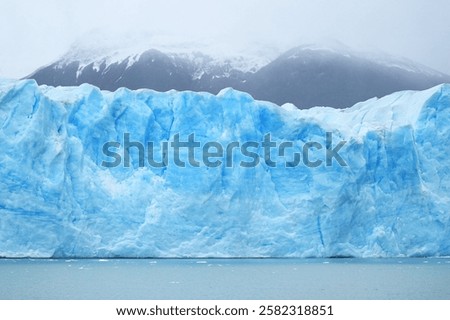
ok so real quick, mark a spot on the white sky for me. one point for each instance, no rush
(36, 32)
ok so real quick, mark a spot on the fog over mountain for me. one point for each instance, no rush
(308, 75)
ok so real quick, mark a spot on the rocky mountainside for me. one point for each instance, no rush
(307, 76)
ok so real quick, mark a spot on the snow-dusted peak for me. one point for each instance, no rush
(402, 63)
(315, 74)
(99, 49)
(338, 49)
(328, 46)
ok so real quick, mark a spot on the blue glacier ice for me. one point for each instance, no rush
(58, 200)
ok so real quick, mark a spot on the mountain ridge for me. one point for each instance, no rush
(307, 75)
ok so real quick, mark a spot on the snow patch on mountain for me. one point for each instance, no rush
(335, 48)
(99, 51)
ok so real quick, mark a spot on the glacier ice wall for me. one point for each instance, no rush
(57, 200)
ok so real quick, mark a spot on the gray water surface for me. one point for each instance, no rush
(411, 278)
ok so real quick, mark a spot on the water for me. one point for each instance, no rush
(225, 279)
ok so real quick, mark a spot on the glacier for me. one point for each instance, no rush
(392, 199)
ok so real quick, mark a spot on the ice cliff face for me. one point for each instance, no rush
(57, 200)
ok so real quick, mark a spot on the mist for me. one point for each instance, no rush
(36, 33)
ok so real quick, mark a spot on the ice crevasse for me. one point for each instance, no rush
(58, 199)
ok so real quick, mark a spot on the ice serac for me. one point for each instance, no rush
(57, 200)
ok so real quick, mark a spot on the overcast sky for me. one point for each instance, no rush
(36, 32)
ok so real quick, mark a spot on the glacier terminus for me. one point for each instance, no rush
(391, 199)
